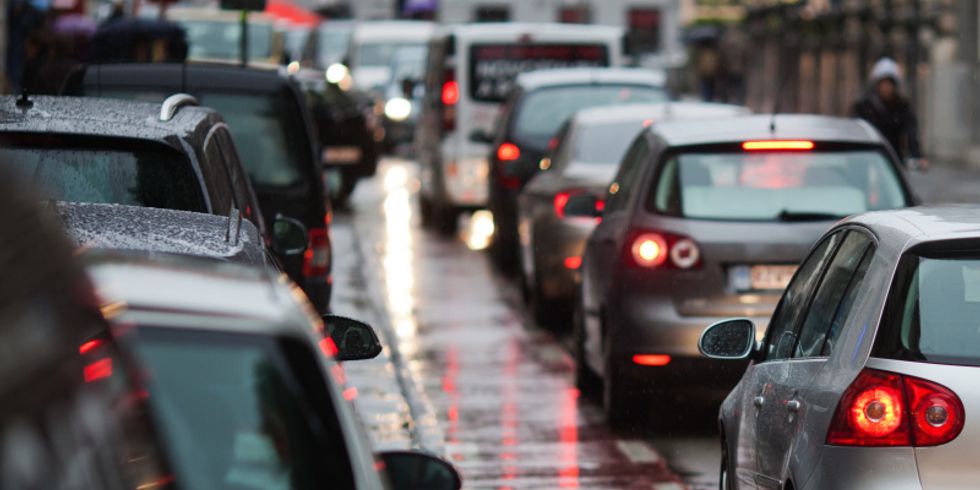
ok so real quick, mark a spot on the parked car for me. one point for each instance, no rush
(213, 35)
(239, 376)
(709, 219)
(865, 377)
(469, 73)
(271, 125)
(374, 43)
(585, 157)
(539, 103)
(153, 230)
(170, 155)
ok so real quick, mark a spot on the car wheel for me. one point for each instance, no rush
(586, 379)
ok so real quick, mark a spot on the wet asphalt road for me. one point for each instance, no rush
(498, 391)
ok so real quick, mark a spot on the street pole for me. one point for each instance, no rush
(243, 47)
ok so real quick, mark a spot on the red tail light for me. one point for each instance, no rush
(562, 198)
(651, 359)
(316, 259)
(449, 97)
(573, 262)
(97, 370)
(799, 145)
(887, 409)
(653, 249)
(450, 91)
(508, 152)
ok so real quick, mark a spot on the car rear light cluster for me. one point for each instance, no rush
(561, 199)
(316, 259)
(652, 249)
(887, 409)
(778, 145)
(507, 153)
(449, 96)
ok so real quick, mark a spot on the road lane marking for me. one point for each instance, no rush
(668, 486)
(638, 452)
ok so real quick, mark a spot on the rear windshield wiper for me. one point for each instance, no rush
(787, 215)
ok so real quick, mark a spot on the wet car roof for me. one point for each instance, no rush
(757, 127)
(250, 79)
(100, 117)
(122, 227)
(921, 224)
(241, 299)
(581, 76)
(630, 112)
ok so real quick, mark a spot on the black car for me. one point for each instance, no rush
(540, 102)
(172, 155)
(272, 127)
(156, 231)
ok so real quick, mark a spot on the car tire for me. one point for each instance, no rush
(586, 380)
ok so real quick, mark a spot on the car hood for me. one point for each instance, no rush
(132, 228)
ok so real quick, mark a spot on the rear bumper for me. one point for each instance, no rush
(700, 377)
(553, 242)
(465, 181)
(879, 468)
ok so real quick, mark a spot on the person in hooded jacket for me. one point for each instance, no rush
(886, 108)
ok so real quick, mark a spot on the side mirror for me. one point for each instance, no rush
(728, 339)
(355, 340)
(583, 205)
(413, 470)
(289, 236)
(481, 136)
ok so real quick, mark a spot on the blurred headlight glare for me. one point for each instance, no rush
(398, 109)
(336, 73)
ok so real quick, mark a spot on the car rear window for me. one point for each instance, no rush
(493, 67)
(604, 144)
(236, 414)
(933, 310)
(540, 113)
(773, 186)
(136, 177)
(269, 133)
(219, 40)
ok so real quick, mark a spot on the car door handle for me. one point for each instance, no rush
(793, 406)
(758, 401)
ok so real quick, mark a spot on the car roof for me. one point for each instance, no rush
(233, 298)
(92, 116)
(665, 110)
(921, 224)
(580, 76)
(155, 230)
(766, 127)
(394, 30)
(224, 76)
(551, 30)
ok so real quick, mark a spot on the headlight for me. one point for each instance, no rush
(398, 109)
(336, 73)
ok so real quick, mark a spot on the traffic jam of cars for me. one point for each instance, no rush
(278, 245)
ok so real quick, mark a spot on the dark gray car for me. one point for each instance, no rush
(587, 153)
(708, 220)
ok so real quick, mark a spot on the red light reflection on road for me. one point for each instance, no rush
(568, 471)
(449, 386)
(509, 413)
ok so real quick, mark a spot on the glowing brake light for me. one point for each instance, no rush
(97, 370)
(651, 249)
(880, 408)
(450, 92)
(800, 145)
(508, 152)
(89, 346)
(651, 359)
(316, 259)
(573, 262)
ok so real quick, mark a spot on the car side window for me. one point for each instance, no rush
(560, 153)
(847, 302)
(782, 333)
(618, 195)
(816, 324)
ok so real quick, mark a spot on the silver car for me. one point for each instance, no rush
(706, 220)
(866, 377)
(587, 152)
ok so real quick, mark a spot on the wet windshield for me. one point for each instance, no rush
(233, 413)
(220, 40)
(140, 178)
(543, 111)
(774, 186)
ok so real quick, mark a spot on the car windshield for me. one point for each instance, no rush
(220, 40)
(771, 186)
(604, 144)
(542, 112)
(333, 43)
(269, 134)
(933, 311)
(147, 178)
(234, 413)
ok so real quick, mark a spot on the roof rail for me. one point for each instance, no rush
(173, 104)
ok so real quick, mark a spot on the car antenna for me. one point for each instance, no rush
(24, 102)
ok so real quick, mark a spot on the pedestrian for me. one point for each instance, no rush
(707, 65)
(885, 107)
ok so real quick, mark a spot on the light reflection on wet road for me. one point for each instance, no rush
(503, 393)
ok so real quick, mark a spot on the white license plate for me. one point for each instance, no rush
(342, 154)
(771, 277)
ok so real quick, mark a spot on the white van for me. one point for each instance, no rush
(469, 73)
(374, 42)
